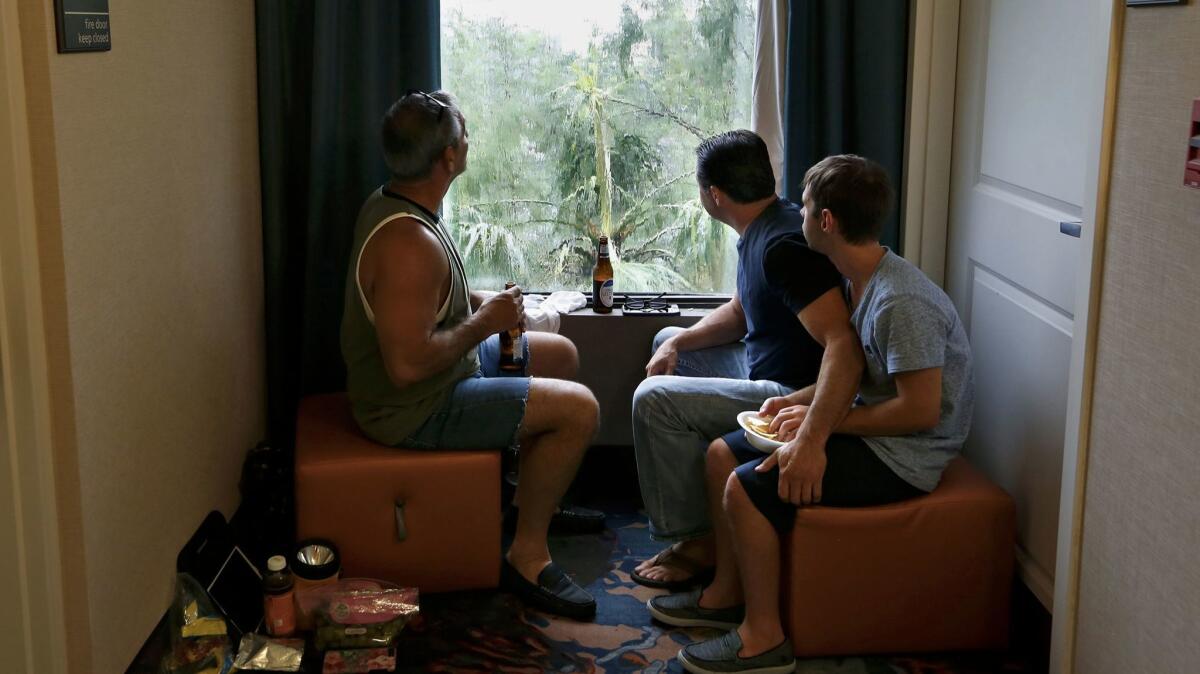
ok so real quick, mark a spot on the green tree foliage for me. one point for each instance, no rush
(566, 147)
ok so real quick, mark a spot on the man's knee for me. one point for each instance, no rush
(663, 335)
(719, 460)
(556, 403)
(552, 355)
(736, 500)
(648, 398)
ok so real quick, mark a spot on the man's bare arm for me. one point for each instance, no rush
(802, 396)
(802, 459)
(828, 321)
(724, 325)
(917, 407)
(406, 270)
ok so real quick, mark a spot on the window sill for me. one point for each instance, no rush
(587, 312)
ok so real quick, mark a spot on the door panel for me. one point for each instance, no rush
(1017, 173)
(1032, 135)
(1020, 342)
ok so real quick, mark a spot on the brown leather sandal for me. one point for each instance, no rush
(698, 574)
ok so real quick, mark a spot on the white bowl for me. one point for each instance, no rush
(765, 445)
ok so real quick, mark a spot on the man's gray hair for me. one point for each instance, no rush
(416, 131)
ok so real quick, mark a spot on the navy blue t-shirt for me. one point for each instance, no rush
(778, 276)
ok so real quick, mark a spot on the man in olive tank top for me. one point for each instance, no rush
(422, 357)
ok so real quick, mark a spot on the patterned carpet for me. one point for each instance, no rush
(492, 632)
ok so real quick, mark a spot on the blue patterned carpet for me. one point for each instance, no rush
(492, 632)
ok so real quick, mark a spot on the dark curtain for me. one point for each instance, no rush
(847, 66)
(327, 71)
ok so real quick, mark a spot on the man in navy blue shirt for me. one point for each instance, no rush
(786, 328)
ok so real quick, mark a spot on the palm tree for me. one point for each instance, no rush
(601, 140)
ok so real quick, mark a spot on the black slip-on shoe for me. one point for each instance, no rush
(554, 591)
(573, 519)
(569, 520)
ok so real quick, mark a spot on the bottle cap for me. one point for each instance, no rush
(277, 563)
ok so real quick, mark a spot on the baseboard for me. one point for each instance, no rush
(1029, 628)
(1039, 582)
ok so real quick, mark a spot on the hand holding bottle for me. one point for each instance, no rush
(503, 311)
(512, 340)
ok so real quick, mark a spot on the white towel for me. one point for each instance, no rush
(542, 313)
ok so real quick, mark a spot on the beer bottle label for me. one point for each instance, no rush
(604, 249)
(606, 293)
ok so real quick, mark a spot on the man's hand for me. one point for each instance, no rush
(664, 359)
(503, 311)
(772, 406)
(787, 421)
(801, 469)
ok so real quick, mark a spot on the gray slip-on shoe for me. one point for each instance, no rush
(684, 610)
(720, 656)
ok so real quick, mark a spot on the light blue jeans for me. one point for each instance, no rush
(484, 410)
(675, 417)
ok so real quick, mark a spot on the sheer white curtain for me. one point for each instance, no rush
(770, 73)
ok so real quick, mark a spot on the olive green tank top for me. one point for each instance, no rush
(387, 413)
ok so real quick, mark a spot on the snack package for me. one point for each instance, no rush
(199, 637)
(363, 618)
(359, 661)
(310, 599)
(257, 652)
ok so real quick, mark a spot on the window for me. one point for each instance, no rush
(584, 118)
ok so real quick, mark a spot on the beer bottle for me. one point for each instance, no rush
(602, 280)
(512, 345)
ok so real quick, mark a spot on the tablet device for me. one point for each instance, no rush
(221, 568)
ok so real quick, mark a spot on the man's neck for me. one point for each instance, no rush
(858, 263)
(741, 216)
(426, 193)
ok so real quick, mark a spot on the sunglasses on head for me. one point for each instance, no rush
(442, 107)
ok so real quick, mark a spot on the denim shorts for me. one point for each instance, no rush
(484, 411)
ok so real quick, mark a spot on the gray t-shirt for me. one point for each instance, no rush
(907, 323)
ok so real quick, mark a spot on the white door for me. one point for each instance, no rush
(1026, 74)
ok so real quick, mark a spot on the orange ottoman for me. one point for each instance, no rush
(422, 518)
(929, 574)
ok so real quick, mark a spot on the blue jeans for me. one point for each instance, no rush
(675, 417)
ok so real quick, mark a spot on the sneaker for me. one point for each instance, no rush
(720, 655)
(684, 610)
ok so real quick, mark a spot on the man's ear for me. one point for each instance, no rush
(450, 156)
(717, 195)
(828, 222)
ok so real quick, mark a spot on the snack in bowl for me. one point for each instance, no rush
(758, 431)
(761, 426)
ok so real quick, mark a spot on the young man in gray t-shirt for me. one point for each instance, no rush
(909, 419)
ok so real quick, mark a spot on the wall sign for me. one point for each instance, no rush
(82, 25)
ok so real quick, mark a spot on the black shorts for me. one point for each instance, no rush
(854, 477)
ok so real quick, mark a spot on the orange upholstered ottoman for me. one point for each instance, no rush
(428, 519)
(930, 574)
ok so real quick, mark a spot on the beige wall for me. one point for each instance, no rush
(1139, 594)
(147, 188)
